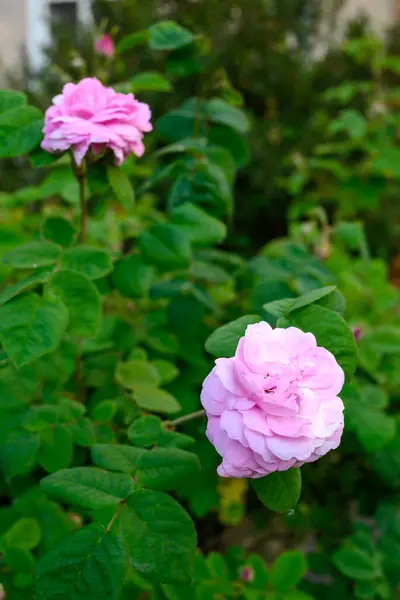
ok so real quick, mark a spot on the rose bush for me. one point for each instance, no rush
(118, 284)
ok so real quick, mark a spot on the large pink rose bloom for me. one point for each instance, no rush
(91, 115)
(273, 405)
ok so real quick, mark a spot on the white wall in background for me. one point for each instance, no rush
(12, 31)
(381, 12)
(25, 23)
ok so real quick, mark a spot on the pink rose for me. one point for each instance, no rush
(89, 114)
(105, 45)
(273, 405)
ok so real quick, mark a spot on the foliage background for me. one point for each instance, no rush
(306, 179)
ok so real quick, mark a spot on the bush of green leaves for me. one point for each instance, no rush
(118, 291)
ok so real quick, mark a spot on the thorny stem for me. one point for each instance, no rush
(195, 415)
(80, 174)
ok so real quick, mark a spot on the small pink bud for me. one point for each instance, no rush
(246, 574)
(357, 333)
(105, 45)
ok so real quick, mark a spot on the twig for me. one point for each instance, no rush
(195, 415)
(81, 180)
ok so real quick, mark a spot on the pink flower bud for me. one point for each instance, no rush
(246, 574)
(105, 45)
(274, 405)
(357, 333)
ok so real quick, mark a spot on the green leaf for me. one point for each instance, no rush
(91, 262)
(364, 406)
(384, 339)
(89, 564)
(224, 340)
(279, 491)
(122, 187)
(56, 448)
(312, 297)
(168, 35)
(288, 570)
(162, 341)
(136, 372)
(375, 430)
(58, 230)
(31, 326)
(40, 158)
(331, 332)
(232, 141)
(166, 468)
(165, 246)
(365, 589)
(279, 308)
(260, 570)
(173, 439)
(350, 233)
(11, 99)
(33, 255)
(88, 487)
(387, 462)
(201, 228)
(351, 121)
(133, 277)
(84, 432)
(82, 300)
(179, 124)
(19, 560)
(24, 534)
(20, 130)
(150, 81)
(38, 277)
(149, 397)
(104, 411)
(167, 371)
(335, 301)
(219, 111)
(132, 40)
(18, 453)
(40, 417)
(159, 537)
(145, 431)
(123, 459)
(355, 563)
(61, 181)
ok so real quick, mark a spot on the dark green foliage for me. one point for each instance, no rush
(104, 344)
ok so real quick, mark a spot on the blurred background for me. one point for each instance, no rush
(281, 58)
